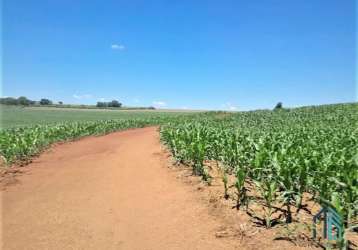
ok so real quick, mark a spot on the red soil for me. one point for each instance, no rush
(116, 192)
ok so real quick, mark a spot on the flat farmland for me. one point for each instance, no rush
(12, 116)
(253, 179)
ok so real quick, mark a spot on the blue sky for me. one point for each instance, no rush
(235, 55)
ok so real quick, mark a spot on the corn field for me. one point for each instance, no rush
(284, 154)
(17, 144)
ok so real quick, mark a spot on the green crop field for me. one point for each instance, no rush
(284, 155)
(27, 130)
(16, 116)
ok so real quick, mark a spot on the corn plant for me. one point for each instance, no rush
(242, 199)
(268, 190)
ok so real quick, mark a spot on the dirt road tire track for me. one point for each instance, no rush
(108, 192)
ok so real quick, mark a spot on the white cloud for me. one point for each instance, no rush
(232, 108)
(118, 47)
(80, 97)
(229, 106)
(159, 104)
(136, 100)
(101, 99)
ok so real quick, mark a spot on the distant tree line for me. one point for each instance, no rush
(114, 104)
(24, 101)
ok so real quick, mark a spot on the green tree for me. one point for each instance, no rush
(278, 106)
(8, 101)
(115, 103)
(45, 101)
(22, 100)
(101, 104)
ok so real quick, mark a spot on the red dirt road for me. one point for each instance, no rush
(108, 192)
